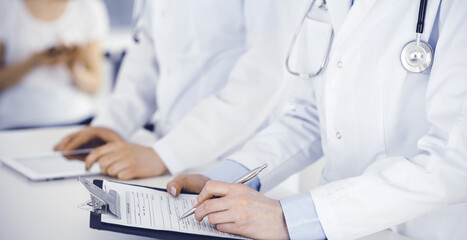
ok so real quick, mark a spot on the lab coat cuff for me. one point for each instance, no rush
(301, 217)
(229, 171)
(170, 160)
(324, 208)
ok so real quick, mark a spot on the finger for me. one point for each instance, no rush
(180, 183)
(54, 60)
(220, 217)
(188, 182)
(108, 135)
(175, 186)
(126, 174)
(211, 189)
(211, 206)
(98, 153)
(228, 228)
(78, 140)
(91, 137)
(64, 141)
(107, 160)
(117, 166)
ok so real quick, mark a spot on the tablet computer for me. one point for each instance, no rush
(52, 166)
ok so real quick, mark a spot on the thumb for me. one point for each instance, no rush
(174, 187)
(187, 182)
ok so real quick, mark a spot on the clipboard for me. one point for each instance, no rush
(96, 223)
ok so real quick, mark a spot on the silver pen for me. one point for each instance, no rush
(253, 173)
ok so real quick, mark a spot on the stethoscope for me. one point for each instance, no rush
(138, 12)
(416, 56)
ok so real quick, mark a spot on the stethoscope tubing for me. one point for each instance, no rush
(406, 50)
(303, 75)
(421, 16)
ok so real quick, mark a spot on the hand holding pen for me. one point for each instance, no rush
(241, 180)
(238, 209)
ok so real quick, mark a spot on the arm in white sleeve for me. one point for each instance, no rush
(289, 144)
(394, 190)
(223, 121)
(133, 101)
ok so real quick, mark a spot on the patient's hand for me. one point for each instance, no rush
(126, 160)
(49, 57)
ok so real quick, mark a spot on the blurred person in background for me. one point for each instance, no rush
(207, 73)
(50, 61)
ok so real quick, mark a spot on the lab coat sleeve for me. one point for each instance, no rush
(289, 144)
(397, 189)
(301, 218)
(133, 101)
(223, 121)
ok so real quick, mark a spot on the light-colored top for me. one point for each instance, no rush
(394, 142)
(46, 95)
(213, 71)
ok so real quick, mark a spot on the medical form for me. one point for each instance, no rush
(157, 210)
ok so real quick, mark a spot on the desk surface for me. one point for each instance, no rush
(48, 210)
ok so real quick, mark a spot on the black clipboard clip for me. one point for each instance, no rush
(101, 201)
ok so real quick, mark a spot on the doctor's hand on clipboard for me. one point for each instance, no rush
(237, 208)
(115, 156)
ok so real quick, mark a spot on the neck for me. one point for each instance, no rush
(46, 10)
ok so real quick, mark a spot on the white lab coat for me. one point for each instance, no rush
(212, 71)
(395, 142)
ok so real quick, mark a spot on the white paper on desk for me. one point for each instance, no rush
(152, 209)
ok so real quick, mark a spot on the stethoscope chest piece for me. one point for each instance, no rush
(416, 56)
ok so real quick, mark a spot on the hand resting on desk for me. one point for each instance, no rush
(115, 156)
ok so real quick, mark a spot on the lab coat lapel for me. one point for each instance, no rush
(338, 10)
(431, 11)
(345, 21)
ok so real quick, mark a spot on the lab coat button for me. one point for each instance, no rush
(338, 135)
(339, 64)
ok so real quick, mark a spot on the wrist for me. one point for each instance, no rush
(160, 166)
(32, 62)
(284, 231)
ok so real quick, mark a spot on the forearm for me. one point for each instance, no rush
(85, 79)
(11, 75)
(86, 68)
